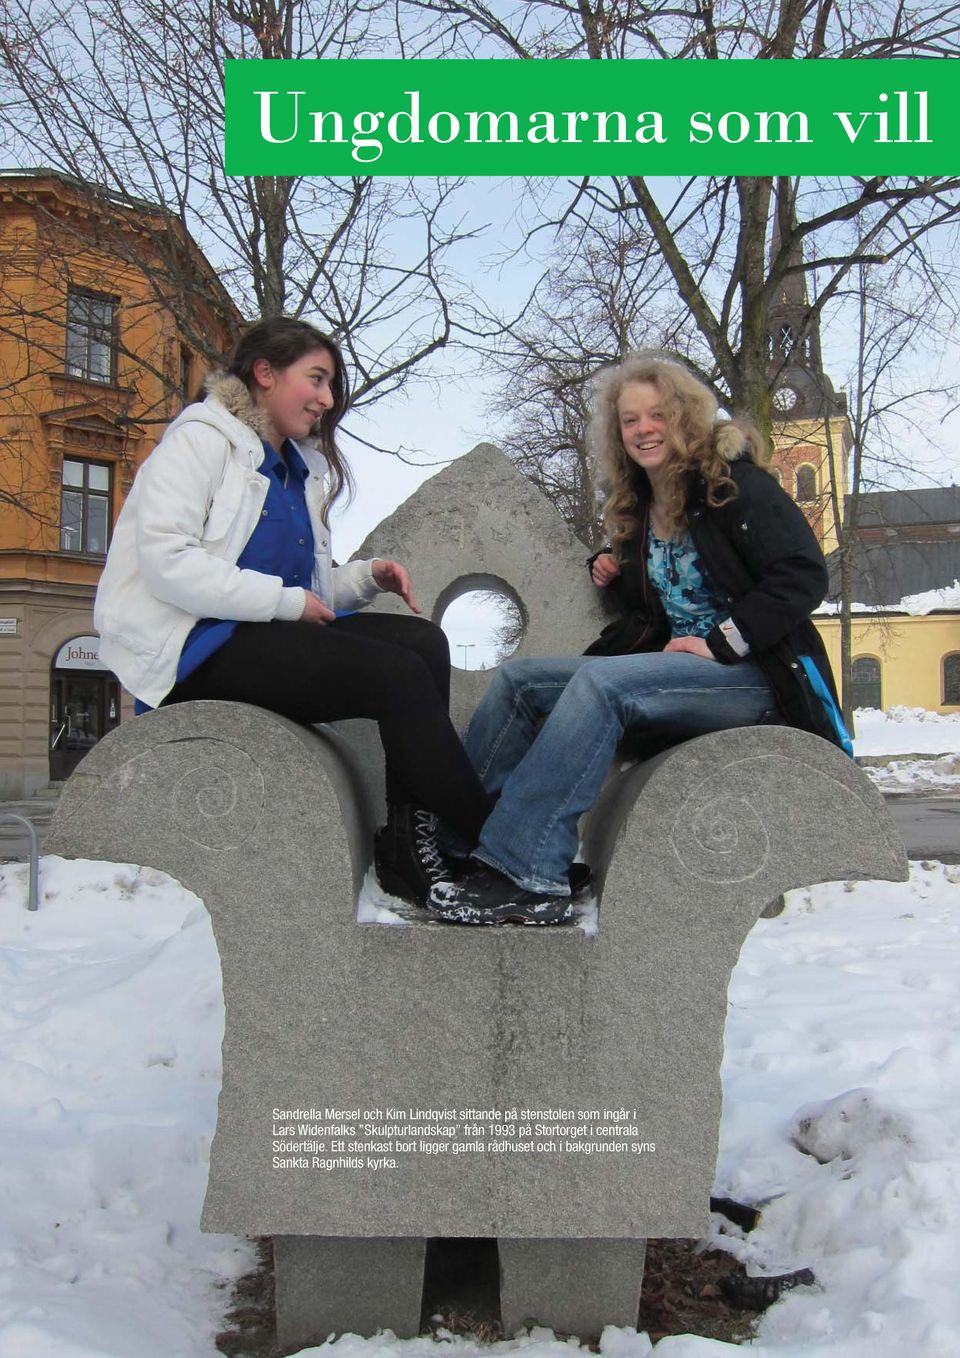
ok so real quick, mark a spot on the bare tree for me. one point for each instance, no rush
(893, 321)
(129, 97)
(587, 311)
(508, 633)
(713, 235)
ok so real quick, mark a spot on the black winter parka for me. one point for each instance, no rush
(761, 557)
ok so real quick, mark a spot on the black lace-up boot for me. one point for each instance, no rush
(406, 856)
(483, 896)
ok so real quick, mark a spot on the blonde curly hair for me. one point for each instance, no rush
(698, 441)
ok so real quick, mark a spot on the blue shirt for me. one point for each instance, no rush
(677, 574)
(281, 544)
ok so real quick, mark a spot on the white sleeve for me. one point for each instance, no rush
(354, 585)
(178, 482)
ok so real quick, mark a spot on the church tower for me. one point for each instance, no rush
(811, 432)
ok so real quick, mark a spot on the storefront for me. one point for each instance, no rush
(84, 704)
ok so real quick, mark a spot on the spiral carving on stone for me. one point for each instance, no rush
(218, 803)
(719, 836)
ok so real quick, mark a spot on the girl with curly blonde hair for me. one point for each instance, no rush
(699, 442)
(713, 572)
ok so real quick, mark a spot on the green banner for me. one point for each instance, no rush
(592, 117)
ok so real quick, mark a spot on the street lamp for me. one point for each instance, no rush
(466, 646)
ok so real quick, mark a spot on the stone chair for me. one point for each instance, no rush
(270, 824)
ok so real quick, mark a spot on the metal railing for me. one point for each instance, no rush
(33, 888)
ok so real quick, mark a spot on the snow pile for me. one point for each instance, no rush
(376, 906)
(111, 1018)
(932, 776)
(850, 1124)
(842, 1114)
(906, 730)
(841, 1117)
(536, 1342)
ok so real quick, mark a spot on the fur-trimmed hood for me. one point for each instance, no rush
(231, 409)
(731, 441)
(235, 397)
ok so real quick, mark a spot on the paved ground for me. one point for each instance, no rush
(930, 826)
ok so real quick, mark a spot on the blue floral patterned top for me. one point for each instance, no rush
(676, 573)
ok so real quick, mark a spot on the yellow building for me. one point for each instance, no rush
(94, 361)
(907, 559)
(901, 660)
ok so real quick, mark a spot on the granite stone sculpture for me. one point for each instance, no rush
(350, 1024)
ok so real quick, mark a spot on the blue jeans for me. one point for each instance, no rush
(548, 775)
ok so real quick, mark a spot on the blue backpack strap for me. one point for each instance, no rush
(831, 710)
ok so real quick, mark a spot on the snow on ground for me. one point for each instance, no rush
(905, 730)
(926, 777)
(843, 1045)
(910, 731)
(111, 1018)
(841, 1114)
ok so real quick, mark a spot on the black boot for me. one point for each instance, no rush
(484, 896)
(406, 855)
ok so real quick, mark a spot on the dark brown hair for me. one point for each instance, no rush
(283, 340)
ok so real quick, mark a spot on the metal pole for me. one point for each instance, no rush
(33, 888)
(466, 646)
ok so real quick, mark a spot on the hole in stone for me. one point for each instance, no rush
(484, 621)
(461, 1283)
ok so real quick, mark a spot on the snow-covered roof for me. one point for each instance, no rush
(916, 605)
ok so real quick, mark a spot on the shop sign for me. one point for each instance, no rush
(81, 653)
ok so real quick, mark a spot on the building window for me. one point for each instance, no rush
(865, 677)
(185, 372)
(92, 336)
(951, 680)
(806, 483)
(785, 339)
(85, 507)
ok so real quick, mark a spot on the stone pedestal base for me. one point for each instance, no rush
(332, 1285)
(574, 1286)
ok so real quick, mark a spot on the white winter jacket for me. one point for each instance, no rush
(172, 560)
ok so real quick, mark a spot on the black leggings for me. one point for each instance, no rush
(393, 669)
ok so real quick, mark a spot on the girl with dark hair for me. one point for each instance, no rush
(219, 583)
(714, 572)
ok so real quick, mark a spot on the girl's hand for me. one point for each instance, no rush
(604, 569)
(393, 577)
(692, 645)
(315, 610)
